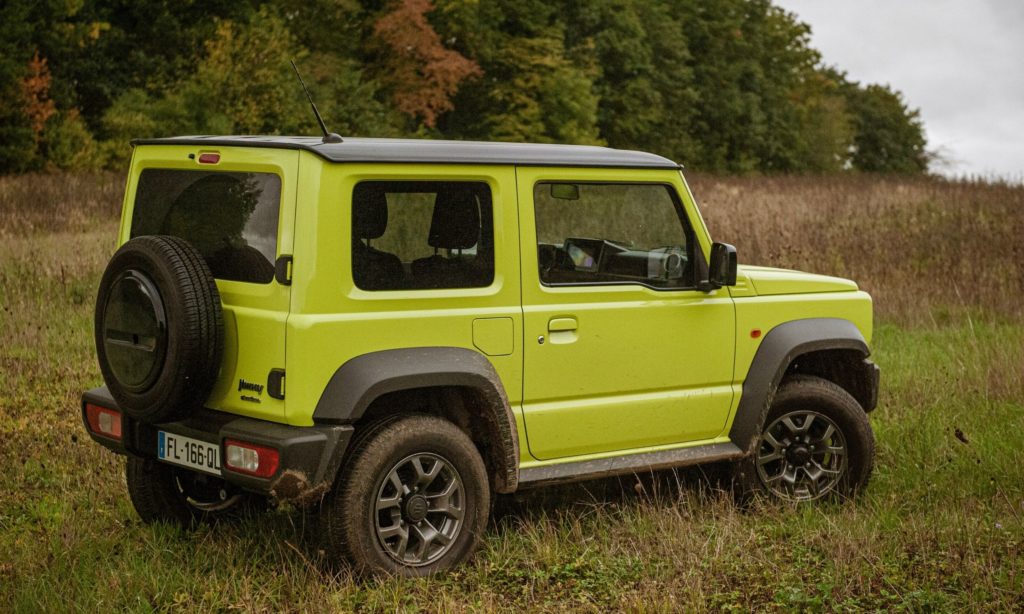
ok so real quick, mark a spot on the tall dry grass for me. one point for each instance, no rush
(927, 249)
(939, 528)
(66, 202)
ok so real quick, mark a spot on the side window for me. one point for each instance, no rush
(608, 233)
(419, 235)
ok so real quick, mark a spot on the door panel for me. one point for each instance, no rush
(333, 320)
(618, 366)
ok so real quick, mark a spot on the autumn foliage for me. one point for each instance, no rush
(35, 87)
(730, 86)
(422, 73)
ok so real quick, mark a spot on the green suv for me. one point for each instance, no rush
(390, 332)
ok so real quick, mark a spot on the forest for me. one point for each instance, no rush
(725, 87)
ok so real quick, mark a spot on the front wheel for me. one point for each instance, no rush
(816, 443)
(412, 500)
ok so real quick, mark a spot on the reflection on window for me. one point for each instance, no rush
(231, 218)
(590, 233)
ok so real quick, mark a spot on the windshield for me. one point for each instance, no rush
(231, 218)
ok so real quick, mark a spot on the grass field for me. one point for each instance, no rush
(941, 526)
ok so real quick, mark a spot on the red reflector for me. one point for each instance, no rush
(251, 459)
(755, 333)
(103, 421)
(209, 158)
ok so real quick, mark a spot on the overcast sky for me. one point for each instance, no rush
(961, 62)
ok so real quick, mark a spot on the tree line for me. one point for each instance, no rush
(730, 86)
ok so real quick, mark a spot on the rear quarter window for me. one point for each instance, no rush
(231, 218)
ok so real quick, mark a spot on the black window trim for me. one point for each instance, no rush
(691, 235)
(426, 293)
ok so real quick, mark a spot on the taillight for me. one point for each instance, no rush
(103, 421)
(251, 459)
(209, 158)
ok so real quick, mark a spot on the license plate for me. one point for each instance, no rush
(187, 452)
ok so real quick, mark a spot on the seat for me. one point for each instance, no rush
(373, 269)
(553, 262)
(455, 226)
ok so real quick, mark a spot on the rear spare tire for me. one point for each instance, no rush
(159, 328)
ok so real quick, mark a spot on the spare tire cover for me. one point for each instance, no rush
(159, 328)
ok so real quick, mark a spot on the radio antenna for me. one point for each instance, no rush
(329, 137)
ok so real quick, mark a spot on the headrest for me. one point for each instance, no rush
(369, 212)
(456, 221)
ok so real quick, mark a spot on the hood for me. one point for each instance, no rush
(768, 281)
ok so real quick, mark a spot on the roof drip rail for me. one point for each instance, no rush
(427, 151)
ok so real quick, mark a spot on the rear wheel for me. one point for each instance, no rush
(412, 500)
(816, 443)
(160, 492)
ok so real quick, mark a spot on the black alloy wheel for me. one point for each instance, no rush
(816, 444)
(412, 499)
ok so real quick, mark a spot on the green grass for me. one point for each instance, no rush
(941, 526)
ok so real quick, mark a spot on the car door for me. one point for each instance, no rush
(622, 351)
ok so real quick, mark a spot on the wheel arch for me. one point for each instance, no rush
(831, 348)
(456, 383)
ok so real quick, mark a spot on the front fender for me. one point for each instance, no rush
(780, 347)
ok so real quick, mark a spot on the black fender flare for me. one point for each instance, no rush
(777, 351)
(361, 380)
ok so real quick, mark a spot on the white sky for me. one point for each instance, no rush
(961, 62)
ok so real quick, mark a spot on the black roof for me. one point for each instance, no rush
(426, 151)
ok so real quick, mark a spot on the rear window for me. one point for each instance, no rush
(231, 218)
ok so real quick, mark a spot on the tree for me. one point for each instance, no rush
(422, 74)
(18, 140)
(725, 86)
(888, 136)
(113, 46)
(533, 89)
(825, 135)
(243, 84)
(35, 88)
(643, 80)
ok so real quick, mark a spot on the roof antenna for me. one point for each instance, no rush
(329, 137)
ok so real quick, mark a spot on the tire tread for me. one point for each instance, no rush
(195, 340)
(847, 411)
(341, 524)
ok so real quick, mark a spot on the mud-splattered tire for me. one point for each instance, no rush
(413, 499)
(816, 443)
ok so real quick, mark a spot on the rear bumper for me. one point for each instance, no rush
(309, 455)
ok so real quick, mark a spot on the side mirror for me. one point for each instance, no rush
(722, 269)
